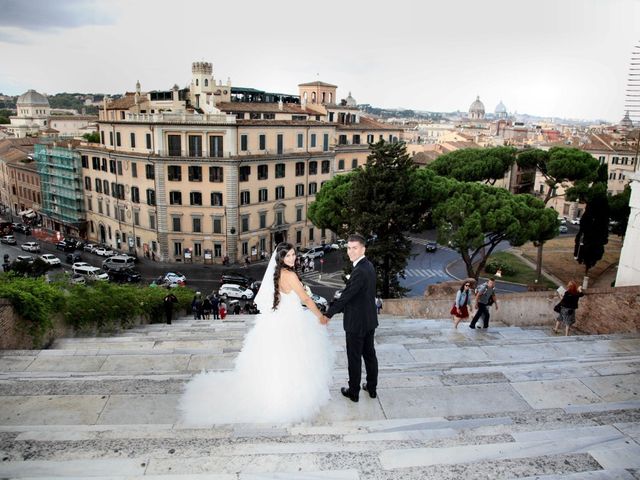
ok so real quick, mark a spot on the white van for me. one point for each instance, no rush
(90, 272)
(118, 262)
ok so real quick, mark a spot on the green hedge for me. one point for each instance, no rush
(99, 306)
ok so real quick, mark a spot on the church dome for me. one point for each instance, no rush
(351, 102)
(626, 122)
(500, 108)
(32, 98)
(476, 110)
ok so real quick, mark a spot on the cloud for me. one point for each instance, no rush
(46, 15)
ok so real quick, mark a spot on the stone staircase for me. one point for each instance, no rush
(501, 403)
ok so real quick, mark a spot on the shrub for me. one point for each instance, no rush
(493, 266)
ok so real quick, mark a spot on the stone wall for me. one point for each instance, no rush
(601, 310)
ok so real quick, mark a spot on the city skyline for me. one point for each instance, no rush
(569, 60)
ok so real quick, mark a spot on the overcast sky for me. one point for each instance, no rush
(562, 58)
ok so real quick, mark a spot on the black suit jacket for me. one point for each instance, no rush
(358, 300)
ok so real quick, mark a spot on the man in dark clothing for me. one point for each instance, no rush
(485, 297)
(358, 302)
(169, 300)
(215, 306)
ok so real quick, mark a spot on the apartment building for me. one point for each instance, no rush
(195, 175)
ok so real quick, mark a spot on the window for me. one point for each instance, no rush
(215, 174)
(195, 146)
(614, 160)
(105, 187)
(326, 166)
(134, 169)
(354, 163)
(195, 198)
(244, 173)
(152, 221)
(263, 220)
(298, 214)
(244, 223)
(195, 173)
(175, 145)
(299, 190)
(313, 188)
(95, 163)
(342, 140)
(311, 232)
(177, 246)
(98, 185)
(280, 170)
(370, 138)
(313, 167)
(102, 138)
(132, 139)
(89, 204)
(100, 206)
(313, 140)
(112, 166)
(340, 164)
(299, 169)
(217, 249)
(215, 146)
(197, 247)
(197, 224)
(263, 172)
(245, 248)
(148, 141)
(216, 199)
(85, 161)
(175, 198)
(87, 183)
(217, 225)
(110, 138)
(120, 191)
(299, 236)
(175, 222)
(243, 143)
(356, 139)
(151, 197)
(300, 140)
(325, 142)
(174, 173)
(119, 167)
(279, 193)
(245, 198)
(263, 195)
(149, 171)
(135, 194)
(280, 144)
(263, 141)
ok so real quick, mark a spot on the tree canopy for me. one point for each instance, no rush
(474, 165)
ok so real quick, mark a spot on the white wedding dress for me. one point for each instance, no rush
(281, 375)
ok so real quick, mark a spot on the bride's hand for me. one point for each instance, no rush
(324, 319)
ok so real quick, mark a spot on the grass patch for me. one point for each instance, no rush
(523, 273)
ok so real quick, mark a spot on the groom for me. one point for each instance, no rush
(358, 301)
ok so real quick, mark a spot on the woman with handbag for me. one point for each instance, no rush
(462, 304)
(568, 306)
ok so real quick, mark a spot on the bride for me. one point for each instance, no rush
(284, 369)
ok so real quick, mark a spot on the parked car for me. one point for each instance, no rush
(22, 228)
(30, 247)
(50, 259)
(320, 302)
(126, 275)
(236, 279)
(79, 264)
(89, 247)
(313, 252)
(575, 221)
(78, 279)
(235, 291)
(118, 262)
(25, 258)
(431, 247)
(174, 277)
(563, 229)
(73, 258)
(66, 246)
(8, 239)
(104, 252)
(255, 286)
(90, 272)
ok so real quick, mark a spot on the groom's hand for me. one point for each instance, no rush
(324, 319)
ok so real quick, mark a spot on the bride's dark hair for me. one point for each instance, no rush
(281, 251)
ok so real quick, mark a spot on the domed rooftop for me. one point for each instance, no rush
(477, 106)
(32, 98)
(500, 108)
(351, 102)
(626, 121)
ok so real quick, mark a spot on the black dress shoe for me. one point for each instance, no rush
(347, 393)
(372, 393)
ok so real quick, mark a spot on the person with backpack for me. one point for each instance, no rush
(206, 308)
(196, 306)
(485, 297)
(168, 302)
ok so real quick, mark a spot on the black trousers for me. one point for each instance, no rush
(168, 313)
(483, 311)
(361, 347)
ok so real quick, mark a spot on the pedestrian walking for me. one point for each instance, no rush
(462, 304)
(568, 306)
(196, 306)
(215, 306)
(206, 308)
(485, 297)
(379, 304)
(169, 300)
(223, 310)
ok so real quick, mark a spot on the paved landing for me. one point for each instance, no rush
(502, 403)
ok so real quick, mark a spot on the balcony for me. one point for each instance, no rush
(182, 118)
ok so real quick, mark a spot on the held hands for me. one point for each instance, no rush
(324, 319)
